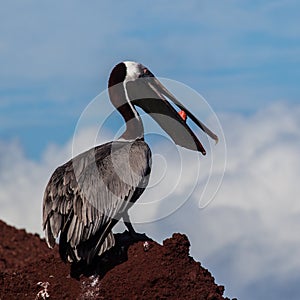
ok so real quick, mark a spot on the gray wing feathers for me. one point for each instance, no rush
(107, 244)
(92, 189)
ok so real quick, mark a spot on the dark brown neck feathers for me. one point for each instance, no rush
(116, 90)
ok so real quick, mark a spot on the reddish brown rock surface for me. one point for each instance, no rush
(162, 272)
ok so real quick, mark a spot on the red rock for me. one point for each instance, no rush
(161, 272)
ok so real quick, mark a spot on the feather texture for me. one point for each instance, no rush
(87, 196)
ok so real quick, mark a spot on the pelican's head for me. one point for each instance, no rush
(132, 84)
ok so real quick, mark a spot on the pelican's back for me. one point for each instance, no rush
(88, 195)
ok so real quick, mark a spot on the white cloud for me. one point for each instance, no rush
(248, 235)
(22, 180)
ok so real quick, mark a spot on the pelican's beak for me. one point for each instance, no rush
(150, 95)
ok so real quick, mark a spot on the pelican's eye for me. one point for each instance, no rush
(146, 73)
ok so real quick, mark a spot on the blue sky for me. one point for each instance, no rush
(57, 56)
(242, 56)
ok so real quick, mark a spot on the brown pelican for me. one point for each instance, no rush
(89, 194)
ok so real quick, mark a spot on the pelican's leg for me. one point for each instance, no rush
(133, 233)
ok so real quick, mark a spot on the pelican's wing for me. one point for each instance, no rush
(87, 196)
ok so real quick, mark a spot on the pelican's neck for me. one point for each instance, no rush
(117, 88)
(134, 127)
